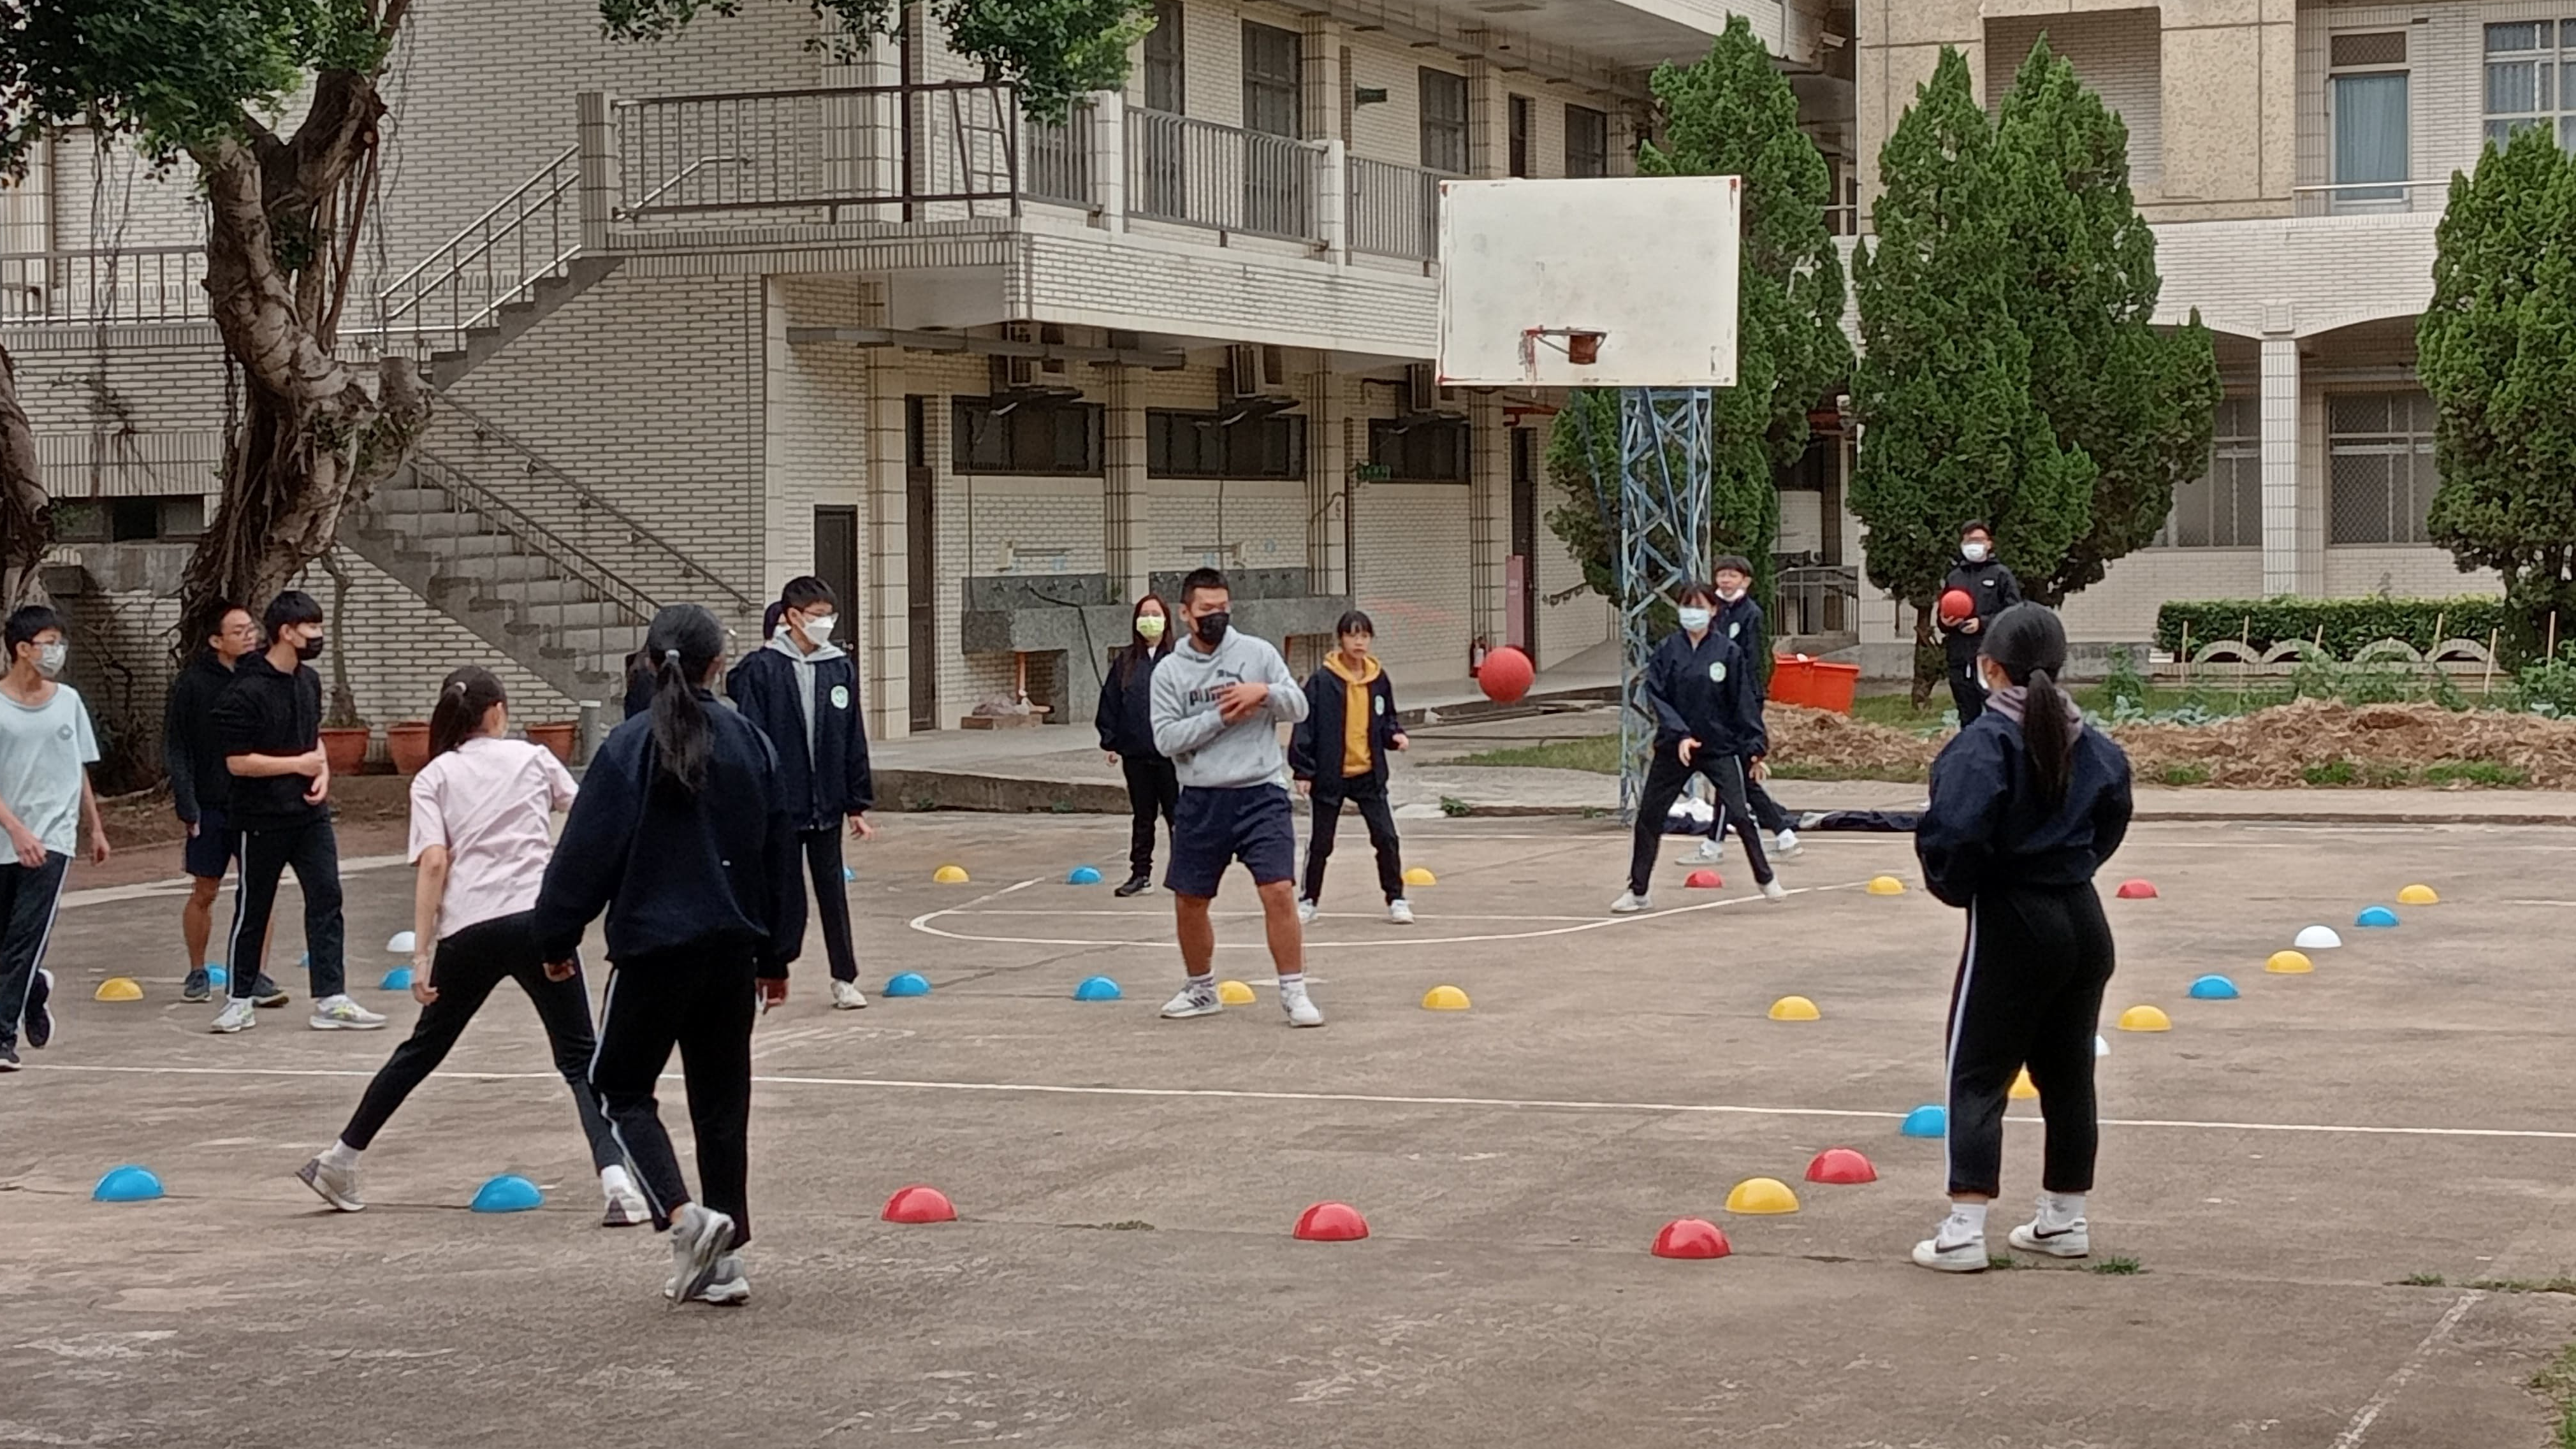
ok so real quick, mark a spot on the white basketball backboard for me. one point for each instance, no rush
(1639, 273)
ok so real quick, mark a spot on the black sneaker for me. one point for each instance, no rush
(1134, 884)
(40, 1021)
(267, 992)
(198, 986)
(8, 1059)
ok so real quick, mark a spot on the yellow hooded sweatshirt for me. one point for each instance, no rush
(1356, 719)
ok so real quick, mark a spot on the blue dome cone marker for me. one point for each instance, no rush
(507, 1193)
(1097, 988)
(2376, 916)
(1084, 875)
(1927, 1121)
(127, 1184)
(849, 874)
(216, 975)
(398, 979)
(910, 983)
(2214, 988)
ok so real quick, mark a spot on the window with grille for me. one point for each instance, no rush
(1444, 121)
(1204, 445)
(2223, 507)
(1165, 88)
(2379, 467)
(2367, 96)
(1026, 438)
(2526, 79)
(1273, 78)
(1431, 451)
(1587, 141)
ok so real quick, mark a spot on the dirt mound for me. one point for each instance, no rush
(2295, 743)
(1814, 738)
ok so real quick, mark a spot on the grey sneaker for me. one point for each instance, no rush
(1191, 1002)
(1774, 890)
(337, 1185)
(1630, 903)
(1306, 911)
(1784, 846)
(626, 1209)
(1707, 852)
(238, 1015)
(339, 1013)
(198, 987)
(728, 1288)
(699, 1240)
(267, 992)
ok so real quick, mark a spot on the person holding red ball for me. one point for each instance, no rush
(1991, 588)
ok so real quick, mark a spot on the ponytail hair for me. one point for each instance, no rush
(769, 618)
(682, 644)
(464, 697)
(2030, 644)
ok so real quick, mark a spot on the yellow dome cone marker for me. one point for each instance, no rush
(1233, 993)
(1418, 876)
(2289, 963)
(119, 988)
(2023, 1088)
(2145, 1018)
(1444, 998)
(1757, 1196)
(2418, 895)
(1794, 1008)
(1886, 885)
(949, 875)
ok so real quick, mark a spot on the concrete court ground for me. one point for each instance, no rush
(1124, 1275)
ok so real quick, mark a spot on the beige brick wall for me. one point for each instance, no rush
(1410, 571)
(815, 400)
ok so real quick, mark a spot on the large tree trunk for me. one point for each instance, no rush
(24, 527)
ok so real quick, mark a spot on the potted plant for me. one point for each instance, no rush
(344, 732)
(557, 736)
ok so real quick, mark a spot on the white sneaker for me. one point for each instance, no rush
(1630, 903)
(1400, 911)
(1301, 1008)
(846, 996)
(1306, 911)
(238, 1015)
(1963, 1255)
(2056, 1240)
(700, 1241)
(626, 1209)
(1773, 890)
(339, 1013)
(337, 1185)
(726, 1289)
(1707, 852)
(1192, 1002)
(1785, 845)
(1810, 819)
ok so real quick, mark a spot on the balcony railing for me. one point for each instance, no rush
(1394, 209)
(115, 285)
(951, 145)
(1198, 173)
(1058, 158)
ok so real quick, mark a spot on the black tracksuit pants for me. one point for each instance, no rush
(831, 898)
(697, 998)
(29, 896)
(2029, 992)
(1153, 788)
(1766, 811)
(1665, 776)
(1368, 792)
(1965, 689)
(467, 967)
(314, 852)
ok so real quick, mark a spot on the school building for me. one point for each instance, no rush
(707, 314)
(2294, 157)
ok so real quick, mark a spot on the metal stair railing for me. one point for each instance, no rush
(497, 258)
(468, 497)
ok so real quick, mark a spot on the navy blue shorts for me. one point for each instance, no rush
(211, 851)
(1212, 829)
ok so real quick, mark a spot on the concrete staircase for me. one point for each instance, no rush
(503, 323)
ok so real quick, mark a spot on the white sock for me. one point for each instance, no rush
(1202, 988)
(1292, 980)
(1967, 1220)
(340, 1154)
(2061, 1208)
(613, 1180)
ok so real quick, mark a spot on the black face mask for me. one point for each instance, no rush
(309, 650)
(1211, 627)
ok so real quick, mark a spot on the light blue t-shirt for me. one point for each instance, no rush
(42, 749)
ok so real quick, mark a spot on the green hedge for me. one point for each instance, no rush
(2348, 623)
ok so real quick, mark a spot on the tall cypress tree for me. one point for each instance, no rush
(2493, 350)
(2083, 288)
(1732, 113)
(1949, 428)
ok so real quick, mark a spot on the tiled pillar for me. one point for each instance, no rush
(1108, 143)
(1489, 121)
(1328, 472)
(1124, 542)
(1320, 66)
(889, 563)
(2280, 412)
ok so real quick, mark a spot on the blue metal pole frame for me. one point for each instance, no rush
(1662, 507)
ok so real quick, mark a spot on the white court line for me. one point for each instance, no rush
(1244, 915)
(2359, 1428)
(178, 885)
(922, 924)
(1240, 1094)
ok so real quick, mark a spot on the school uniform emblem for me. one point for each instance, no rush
(1733, 630)
(840, 696)
(1717, 672)
(1380, 702)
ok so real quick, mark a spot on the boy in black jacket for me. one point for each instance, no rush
(1338, 752)
(200, 787)
(1708, 721)
(1993, 589)
(269, 726)
(802, 690)
(682, 835)
(1744, 622)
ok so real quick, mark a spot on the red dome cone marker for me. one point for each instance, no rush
(1841, 1166)
(1691, 1238)
(920, 1204)
(1702, 880)
(1331, 1222)
(2137, 890)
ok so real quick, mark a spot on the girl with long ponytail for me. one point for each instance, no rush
(2027, 803)
(682, 835)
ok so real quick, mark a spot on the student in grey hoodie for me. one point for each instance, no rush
(802, 690)
(1218, 702)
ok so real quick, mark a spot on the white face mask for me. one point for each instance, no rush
(818, 627)
(1974, 552)
(1730, 595)
(1694, 618)
(49, 658)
